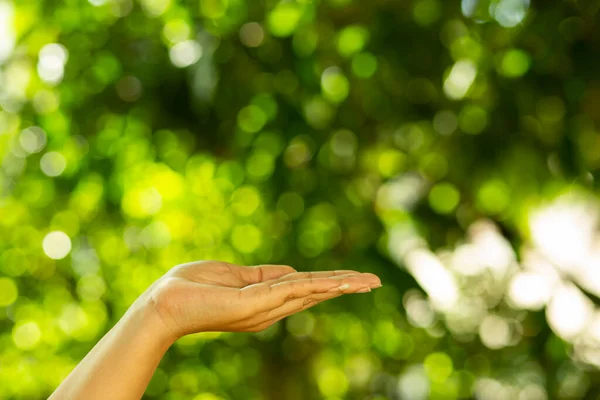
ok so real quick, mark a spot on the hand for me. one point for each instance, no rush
(218, 296)
(197, 297)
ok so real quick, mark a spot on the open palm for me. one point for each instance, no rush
(218, 296)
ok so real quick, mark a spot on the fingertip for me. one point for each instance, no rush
(292, 269)
(370, 274)
(373, 276)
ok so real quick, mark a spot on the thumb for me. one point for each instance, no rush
(264, 272)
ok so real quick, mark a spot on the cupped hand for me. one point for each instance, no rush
(218, 296)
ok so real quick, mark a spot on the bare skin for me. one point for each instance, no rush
(197, 297)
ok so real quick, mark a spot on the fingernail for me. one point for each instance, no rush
(376, 285)
(364, 290)
(340, 288)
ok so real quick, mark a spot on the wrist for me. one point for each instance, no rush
(145, 321)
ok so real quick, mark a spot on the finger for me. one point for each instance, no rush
(263, 272)
(316, 274)
(293, 289)
(288, 309)
(298, 305)
(303, 303)
(267, 297)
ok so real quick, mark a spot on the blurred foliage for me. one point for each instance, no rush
(139, 134)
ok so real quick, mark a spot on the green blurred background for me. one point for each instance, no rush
(451, 147)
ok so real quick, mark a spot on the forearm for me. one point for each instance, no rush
(121, 365)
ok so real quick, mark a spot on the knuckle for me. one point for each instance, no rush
(288, 298)
(260, 273)
(309, 301)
